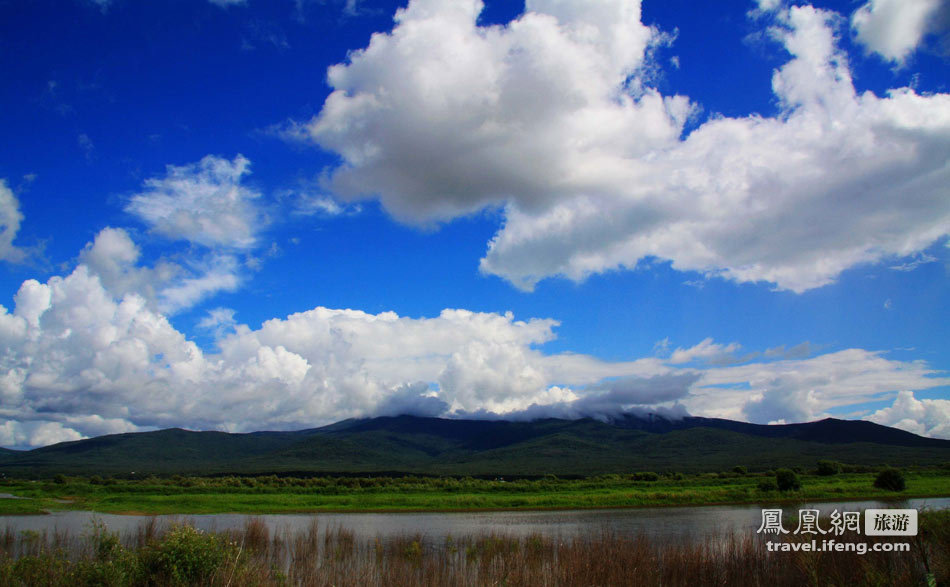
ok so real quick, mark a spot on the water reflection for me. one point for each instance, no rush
(670, 523)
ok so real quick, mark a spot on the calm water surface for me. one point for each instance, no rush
(668, 523)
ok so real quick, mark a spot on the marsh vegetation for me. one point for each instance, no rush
(254, 555)
(274, 494)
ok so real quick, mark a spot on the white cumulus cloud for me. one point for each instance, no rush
(204, 203)
(78, 360)
(552, 119)
(894, 28)
(78, 355)
(797, 390)
(443, 117)
(215, 273)
(168, 286)
(32, 434)
(927, 417)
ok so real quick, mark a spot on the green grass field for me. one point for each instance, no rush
(196, 495)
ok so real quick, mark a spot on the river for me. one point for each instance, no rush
(661, 523)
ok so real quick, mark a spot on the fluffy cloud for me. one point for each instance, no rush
(927, 417)
(10, 219)
(796, 390)
(215, 273)
(442, 117)
(203, 203)
(44, 432)
(35, 433)
(167, 286)
(894, 28)
(79, 356)
(218, 321)
(78, 360)
(114, 257)
(551, 118)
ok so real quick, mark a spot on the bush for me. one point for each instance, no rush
(890, 480)
(787, 480)
(105, 544)
(110, 564)
(739, 470)
(827, 468)
(768, 484)
(186, 556)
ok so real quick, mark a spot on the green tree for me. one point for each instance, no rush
(829, 468)
(890, 479)
(787, 480)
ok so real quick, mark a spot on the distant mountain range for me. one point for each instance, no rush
(417, 445)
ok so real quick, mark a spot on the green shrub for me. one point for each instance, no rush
(739, 470)
(767, 484)
(186, 556)
(43, 569)
(787, 480)
(105, 544)
(890, 479)
(828, 468)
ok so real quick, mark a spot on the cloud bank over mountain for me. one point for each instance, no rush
(83, 359)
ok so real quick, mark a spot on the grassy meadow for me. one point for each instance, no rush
(272, 494)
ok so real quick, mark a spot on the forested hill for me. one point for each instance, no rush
(410, 444)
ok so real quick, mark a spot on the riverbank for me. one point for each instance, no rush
(260, 495)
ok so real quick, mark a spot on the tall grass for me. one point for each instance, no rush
(255, 555)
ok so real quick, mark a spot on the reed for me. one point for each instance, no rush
(256, 555)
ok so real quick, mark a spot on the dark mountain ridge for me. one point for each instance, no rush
(420, 445)
(829, 430)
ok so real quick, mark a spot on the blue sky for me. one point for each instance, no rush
(246, 215)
